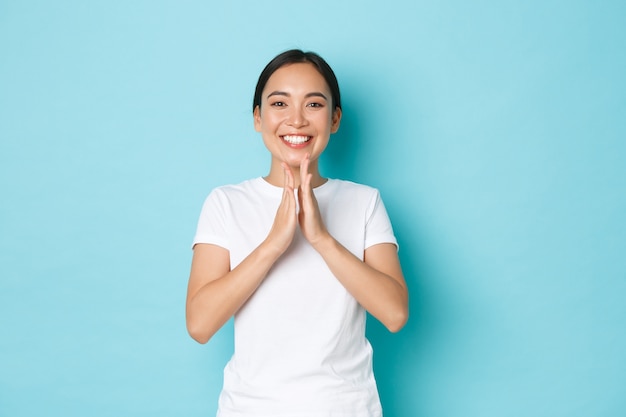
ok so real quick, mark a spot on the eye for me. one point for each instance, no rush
(315, 105)
(278, 104)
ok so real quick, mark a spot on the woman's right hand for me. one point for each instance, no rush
(215, 291)
(286, 221)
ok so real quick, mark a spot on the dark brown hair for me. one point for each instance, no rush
(295, 56)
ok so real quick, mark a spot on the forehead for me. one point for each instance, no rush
(297, 77)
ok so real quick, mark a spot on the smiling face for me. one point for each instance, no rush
(296, 116)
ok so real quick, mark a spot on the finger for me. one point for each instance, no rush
(301, 194)
(305, 177)
(289, 179)
(309, 197)
(288, 191)
(304, 168)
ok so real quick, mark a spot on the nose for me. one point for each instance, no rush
(297, 117)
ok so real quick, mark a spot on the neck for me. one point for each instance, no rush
(276, 176)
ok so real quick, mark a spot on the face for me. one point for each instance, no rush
(296, 115)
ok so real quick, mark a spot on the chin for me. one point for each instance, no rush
(294, 158)
(293, 162)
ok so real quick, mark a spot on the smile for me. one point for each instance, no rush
(296, 139)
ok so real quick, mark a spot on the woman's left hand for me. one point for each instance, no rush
(376, 281)
(309, 217)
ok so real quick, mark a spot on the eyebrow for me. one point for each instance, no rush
(283, 93)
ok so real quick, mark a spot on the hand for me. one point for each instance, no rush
(309, 217)
(284, 227)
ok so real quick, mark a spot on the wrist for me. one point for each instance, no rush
(268, 250)
(324, 243)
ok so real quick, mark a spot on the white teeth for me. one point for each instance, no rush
(296, 140)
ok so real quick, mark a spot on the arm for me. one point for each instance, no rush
(215, 292)
(377, 282)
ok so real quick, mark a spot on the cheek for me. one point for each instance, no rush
(263, 123)
(272, 118)
(321, 118)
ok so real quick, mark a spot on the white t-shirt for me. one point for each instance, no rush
(300, 346)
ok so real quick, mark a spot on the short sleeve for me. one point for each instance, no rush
(378, 228)
(212, 222)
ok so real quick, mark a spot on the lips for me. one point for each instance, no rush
(296, 140)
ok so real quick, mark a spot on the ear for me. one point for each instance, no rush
(336, 120)
(257, 118)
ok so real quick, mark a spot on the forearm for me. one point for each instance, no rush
(216, 292)
(381, 294)
(218, 300)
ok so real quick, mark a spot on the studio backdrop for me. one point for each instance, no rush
(494, 130)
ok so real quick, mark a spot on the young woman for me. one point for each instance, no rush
(297, 259)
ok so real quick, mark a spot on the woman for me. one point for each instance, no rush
(297, 259)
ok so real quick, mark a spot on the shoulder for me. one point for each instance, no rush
(236, 187)
(351, 187)
(352, 191)
(223, 195)
(236, 190)
(248, 195)
(358, 197)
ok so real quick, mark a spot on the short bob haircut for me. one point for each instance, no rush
(297, 56)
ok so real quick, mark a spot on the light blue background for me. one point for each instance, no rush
(495, 131)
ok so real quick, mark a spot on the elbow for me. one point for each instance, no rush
(200, 338)
(197, 333)
(396, 320)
